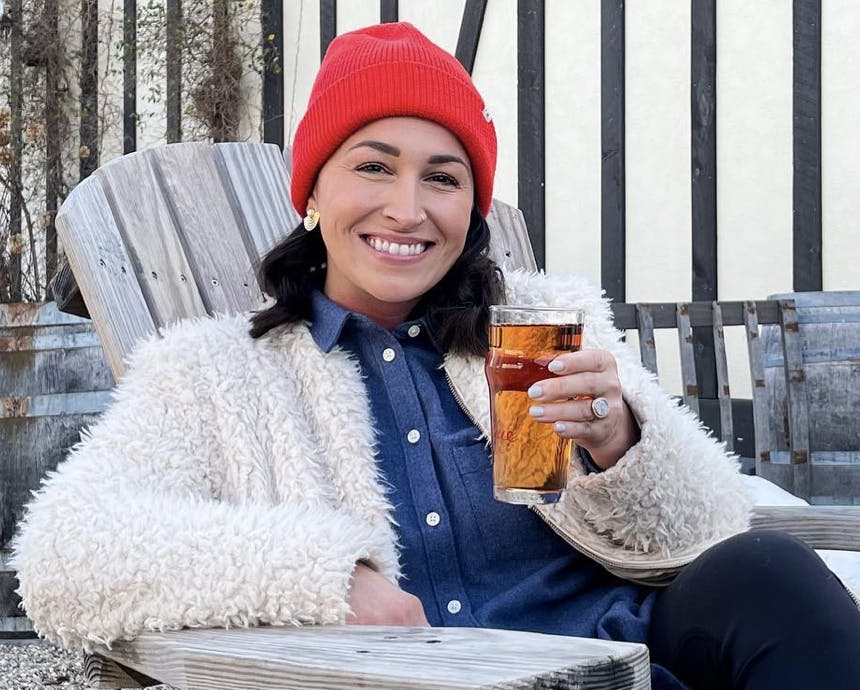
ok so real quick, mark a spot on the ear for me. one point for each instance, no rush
(312, 200)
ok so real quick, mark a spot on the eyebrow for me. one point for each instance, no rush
(438, 159)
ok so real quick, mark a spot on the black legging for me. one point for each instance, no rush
(759, 611)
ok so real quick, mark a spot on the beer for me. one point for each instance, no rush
(530, 461)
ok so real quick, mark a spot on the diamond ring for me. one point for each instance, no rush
(600, 407)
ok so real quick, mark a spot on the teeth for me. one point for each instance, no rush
(396, 249)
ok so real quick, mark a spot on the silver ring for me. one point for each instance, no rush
(600, 407)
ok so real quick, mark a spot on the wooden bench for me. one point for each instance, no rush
(139, 240)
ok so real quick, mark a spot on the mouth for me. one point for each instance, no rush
(396, 248)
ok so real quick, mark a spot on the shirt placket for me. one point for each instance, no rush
(426, 493)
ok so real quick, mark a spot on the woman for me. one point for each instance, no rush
(330, 465)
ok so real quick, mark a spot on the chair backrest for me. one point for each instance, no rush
(178, 231)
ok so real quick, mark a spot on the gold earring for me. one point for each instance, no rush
(311, 219)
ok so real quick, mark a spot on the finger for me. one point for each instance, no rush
(583, 360)
(591, 384)
(568, 411)
(574, 430)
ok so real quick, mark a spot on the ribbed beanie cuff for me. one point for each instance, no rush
(390, 70)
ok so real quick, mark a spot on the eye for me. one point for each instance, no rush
(372, 168)
(444, 179)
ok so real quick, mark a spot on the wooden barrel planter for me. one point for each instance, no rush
(53, 381)
(829, 326)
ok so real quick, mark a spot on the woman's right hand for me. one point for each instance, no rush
(375, 601)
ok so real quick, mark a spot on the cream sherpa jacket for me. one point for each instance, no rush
(232, 482)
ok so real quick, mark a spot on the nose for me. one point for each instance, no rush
(404, 206)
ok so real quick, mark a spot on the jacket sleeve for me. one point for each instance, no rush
(676, 488)
(130, 533)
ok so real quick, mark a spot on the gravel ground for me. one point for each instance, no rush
(41, 666)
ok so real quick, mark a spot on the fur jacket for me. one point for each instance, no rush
(232, 482)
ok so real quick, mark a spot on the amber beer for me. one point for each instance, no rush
(530, 461)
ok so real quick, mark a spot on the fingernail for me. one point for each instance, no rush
(555, 366)
(560, 427)
(535, 391)
(536, 411)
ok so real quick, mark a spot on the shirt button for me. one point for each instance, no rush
(414, 330)
(454, 606)
(413, 436)
(432, 519)
(388, 354)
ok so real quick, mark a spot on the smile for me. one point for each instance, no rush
(395, 248)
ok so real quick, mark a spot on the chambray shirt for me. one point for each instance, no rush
(471, 560)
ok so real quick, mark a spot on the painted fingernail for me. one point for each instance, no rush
(535, 391)
(560, 427)
(536, 411)
(555, 366)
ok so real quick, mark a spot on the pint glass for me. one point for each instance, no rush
(530, 461)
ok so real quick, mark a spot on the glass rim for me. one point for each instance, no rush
(518, 307)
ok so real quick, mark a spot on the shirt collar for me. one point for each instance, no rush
(329, 319)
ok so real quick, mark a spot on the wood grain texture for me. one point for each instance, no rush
(218, 252)
(258, 189)
(822, 527)
(763, 441)
(346, 657)
(104, 674)
(509, 239)
(647, 343)
(149, 233)
(727, 434)
(103, 271)
(690, 392)
(798, 412)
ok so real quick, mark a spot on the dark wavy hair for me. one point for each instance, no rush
(456, 308)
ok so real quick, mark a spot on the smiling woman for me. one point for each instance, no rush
(394, 202)
(332, 465)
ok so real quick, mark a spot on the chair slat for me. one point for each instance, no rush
(103, 268)
(688, 358)
(647, 344)
(798, 412)
(509, 238)
(258, 188)
(727, 434)
(763, 441)
(221, 255)
(150, 236)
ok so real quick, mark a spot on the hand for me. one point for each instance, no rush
(375, 601)
(565, 401)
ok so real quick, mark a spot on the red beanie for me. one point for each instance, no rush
(390, 70)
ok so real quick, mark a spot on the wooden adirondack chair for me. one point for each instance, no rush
(178, 231)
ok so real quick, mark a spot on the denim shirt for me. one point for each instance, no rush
(471, 560)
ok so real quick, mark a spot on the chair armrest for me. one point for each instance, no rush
(822, 527)
(380, 657)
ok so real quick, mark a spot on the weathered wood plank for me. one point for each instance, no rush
(104, 272)
(795, 379)
(727, 434)
(647, 343)
(509, 241)
(258, 189)
(761, 422)
(150, 236)
(105, 674)
(383, 658)
(701, 313)
(690, 392)
(822, 527)
(218, 251)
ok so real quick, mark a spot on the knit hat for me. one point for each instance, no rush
(390, 70)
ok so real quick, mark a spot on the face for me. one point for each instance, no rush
(395, 202)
